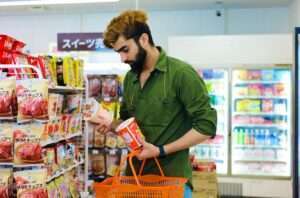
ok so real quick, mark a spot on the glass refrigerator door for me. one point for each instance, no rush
(296, 175)
(216, 149)
(261, 126)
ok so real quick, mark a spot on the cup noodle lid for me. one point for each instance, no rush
(125, 124)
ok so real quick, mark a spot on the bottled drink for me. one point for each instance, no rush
(246, 137)
(241, 136)
(252, 137)
(257, 137)
(268, 137)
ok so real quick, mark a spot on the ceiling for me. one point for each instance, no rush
(147, 5)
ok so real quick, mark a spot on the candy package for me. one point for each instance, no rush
(6, 142)
(7, 97)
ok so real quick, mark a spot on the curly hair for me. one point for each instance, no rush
(130, 24)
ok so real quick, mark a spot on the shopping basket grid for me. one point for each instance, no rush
(140, 186)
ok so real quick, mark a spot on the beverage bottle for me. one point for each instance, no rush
(257, 137)
(268, 137)
(252, 137)
(241, 136)
(262, 136)
(236, 136)
(246, 137)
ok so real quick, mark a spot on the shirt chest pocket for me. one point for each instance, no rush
(158, 111)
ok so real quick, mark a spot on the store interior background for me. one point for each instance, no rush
(38, 27)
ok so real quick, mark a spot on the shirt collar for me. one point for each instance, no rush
(161, 64)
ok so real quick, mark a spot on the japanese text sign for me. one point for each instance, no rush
(80, 42)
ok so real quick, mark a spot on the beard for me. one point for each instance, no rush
(138, 64)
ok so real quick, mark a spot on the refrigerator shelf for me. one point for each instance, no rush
(211, 145)
(260, 113)
(260, 97)
(260, 160)
(281, 126)
(258, 147)
(244, 82)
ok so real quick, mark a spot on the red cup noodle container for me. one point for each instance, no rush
(131, 133)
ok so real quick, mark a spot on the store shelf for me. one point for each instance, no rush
(49, 142)
(6, 164)
(214, 80)
(281, 126)
(260, 160)
(65, 89)
(260, 97)
(258, 113)
(211, 145)
(258, 147)
(241, 82)
(28, 165)
(62, 172)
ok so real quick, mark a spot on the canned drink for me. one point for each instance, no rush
(131, 133)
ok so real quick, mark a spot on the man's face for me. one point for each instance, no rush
(131, 52)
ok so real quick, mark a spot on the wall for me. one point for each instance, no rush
(38, 30)
(294, 14)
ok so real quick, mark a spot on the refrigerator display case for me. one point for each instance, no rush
(296, 155)
(261, 122)
(216, 149)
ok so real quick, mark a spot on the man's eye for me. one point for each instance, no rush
(125, 50)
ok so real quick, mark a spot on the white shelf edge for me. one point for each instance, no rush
(65, 88)
(64, 171)
(46, 143)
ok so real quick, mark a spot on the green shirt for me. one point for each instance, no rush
(173, 100)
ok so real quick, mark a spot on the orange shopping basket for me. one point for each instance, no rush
(140, 186)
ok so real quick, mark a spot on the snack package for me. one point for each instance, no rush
(79, 73)
(31, 183)
(62, 187)
(27, 147)
(109, 88)
(52, 190)
(6, 142)
(99, 139)
(94, 87)
(60, 72)
(50, 161)
(111, 140)
(112, 162)
(97, 158)
(61, 156)
(96, 113)
(52, 70)
(5, 182)
(7, 97)
(52, 105)
(73, 189)
(68, 71)
(74, 103)
(71, 154)
(65, 125)
(120, 142)
(32, 95)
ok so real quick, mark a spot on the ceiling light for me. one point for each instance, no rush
(51, 2)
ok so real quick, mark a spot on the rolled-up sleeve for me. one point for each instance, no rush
(192, 92)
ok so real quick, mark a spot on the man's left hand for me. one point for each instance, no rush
(148, 151)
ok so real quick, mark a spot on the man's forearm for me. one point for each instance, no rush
(191, 138)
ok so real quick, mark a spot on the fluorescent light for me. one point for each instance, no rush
(51, 2)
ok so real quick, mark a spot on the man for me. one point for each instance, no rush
(165, 95)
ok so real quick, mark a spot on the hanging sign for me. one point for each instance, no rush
(80, 42)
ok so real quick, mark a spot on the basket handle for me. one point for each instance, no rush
(116, 179)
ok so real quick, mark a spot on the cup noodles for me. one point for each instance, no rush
(131, 133)
(94, 112)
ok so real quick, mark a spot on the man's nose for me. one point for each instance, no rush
(123, 57)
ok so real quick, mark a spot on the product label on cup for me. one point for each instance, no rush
(131, 133)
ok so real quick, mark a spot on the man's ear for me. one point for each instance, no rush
(144, 40)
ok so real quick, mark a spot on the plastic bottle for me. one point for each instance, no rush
(241, 137)
(246, 137)
(268, 137)
(262, 136)
(257, 137)
(252, 137)
(236, 136)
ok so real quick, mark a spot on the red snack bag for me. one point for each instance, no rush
(32, 95)
(28, 149)
(7, 97)
(31, 183)
(6, 142)
(5, 183)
